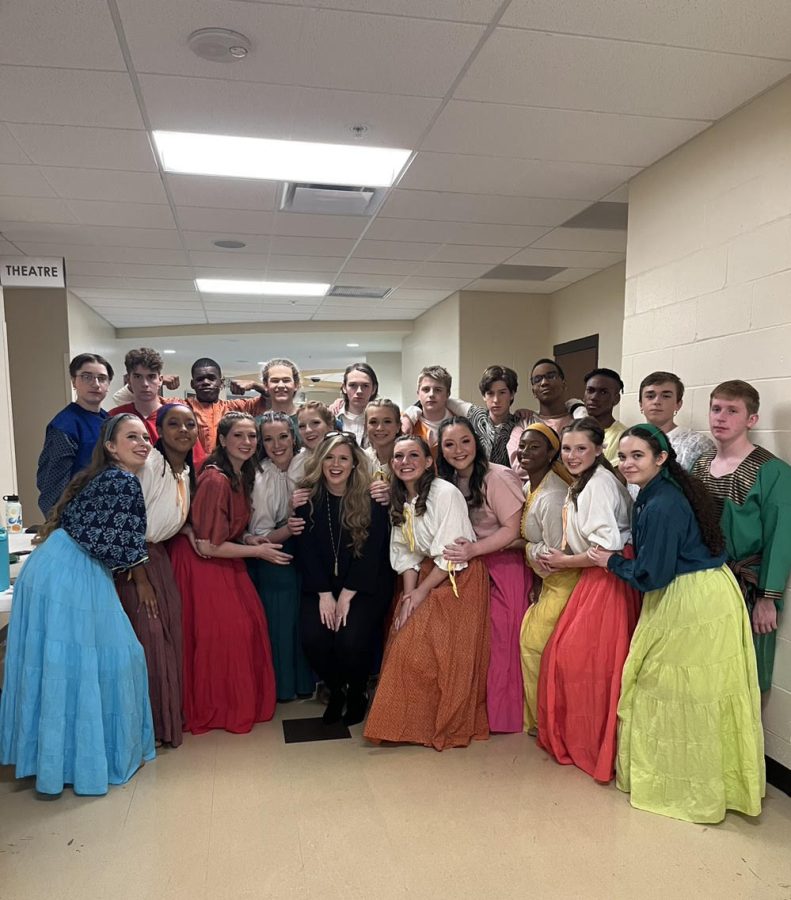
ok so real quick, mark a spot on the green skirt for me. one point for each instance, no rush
(690, 742)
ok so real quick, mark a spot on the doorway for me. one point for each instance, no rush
(577, 358)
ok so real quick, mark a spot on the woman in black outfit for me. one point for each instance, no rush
(347, 582)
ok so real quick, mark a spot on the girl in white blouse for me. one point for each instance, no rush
(580, 679)
(282, 466)
(432, 689)
(149, 593)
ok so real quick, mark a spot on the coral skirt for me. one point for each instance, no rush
(580, 680)
(432, 687)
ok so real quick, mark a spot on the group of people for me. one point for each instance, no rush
(612, 590)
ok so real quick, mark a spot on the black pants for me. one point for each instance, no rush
(346, 656)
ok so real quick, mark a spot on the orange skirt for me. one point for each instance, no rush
(432, 689)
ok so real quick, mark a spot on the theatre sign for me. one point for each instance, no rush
(32, 271)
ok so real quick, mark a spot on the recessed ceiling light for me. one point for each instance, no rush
(168, 351)
(352, 345)
(229, 245)
(243, 157)
(261, 288)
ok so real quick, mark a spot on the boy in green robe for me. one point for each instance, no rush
(752, 490)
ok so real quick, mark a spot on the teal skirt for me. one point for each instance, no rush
(690, 742)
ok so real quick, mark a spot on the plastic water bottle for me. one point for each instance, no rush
(13, 514)
(5, 569)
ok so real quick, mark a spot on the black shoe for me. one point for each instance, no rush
(356, 708)
(334, 711)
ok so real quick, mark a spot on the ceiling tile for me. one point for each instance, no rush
(572, 274)
(88, 253)
(514, 177)
(130, 296)
(401, 267)
(157, 36)
(221, 223)
(458, 207)
(579, 258)
(301, 225)
(219, 106)
(759, 28)
(472, 253)
(540, 69)
(126, 270)
(312, 246)
(496, 286)
(371, 280)
(133, 215)
(7, 249)
(306, 263)
(34, 209)
(223, 193)
(453, 269)
(68, 97)
(452, 10)
(495, 129)
(432, 284)
(583, 239)
(109, 282)
(453, 232)
(345, 50)
(81, 35)
(64, 234)
(391, 120)
(413, 250)
(102, 184)
(229, 259)
(23, 181)
(10, 152)
(619, 195)
(95, 148)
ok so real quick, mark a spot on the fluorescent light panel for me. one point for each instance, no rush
(261, 288)
(243, 157)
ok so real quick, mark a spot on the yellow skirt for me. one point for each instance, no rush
(537, 627)
(690, 743)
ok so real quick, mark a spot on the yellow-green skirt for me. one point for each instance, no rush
(537, 627)
(690, 743)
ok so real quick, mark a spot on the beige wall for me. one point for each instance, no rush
(388, 371)
(38, 355)
(591, 306)
(501, 328)
(90, 333)
(434, 341)
(708, 291)
(8, 480)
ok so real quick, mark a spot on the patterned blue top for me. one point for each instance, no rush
(108, 519)
(68, 445)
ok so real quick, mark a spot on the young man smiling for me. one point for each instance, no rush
(603, 389)
(752, 490)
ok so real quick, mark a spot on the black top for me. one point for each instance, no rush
(368, 573)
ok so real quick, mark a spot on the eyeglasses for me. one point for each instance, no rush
(349, 436)
(547, 376)
(89, 378)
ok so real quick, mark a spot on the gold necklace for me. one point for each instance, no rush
(335, 547)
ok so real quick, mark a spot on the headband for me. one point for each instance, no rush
(664, 445)
(549, 433)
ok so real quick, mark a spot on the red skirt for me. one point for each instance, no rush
(580, 681)
(229, 680)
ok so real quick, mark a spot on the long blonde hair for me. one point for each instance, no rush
(356, 502)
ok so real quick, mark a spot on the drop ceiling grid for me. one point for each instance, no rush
(520, 160)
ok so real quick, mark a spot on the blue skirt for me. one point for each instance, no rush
(75, 707)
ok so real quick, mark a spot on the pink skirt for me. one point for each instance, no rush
(510, 581)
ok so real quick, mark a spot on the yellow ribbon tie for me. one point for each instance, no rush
(408, 528)
(452, 577)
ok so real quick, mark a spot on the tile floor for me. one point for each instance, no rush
(230, 816)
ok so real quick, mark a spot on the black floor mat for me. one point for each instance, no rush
(298, 731)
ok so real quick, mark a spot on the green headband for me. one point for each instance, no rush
(664, 445)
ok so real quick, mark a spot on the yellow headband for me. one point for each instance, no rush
(549, 433)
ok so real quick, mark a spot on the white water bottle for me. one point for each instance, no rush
(13, 514)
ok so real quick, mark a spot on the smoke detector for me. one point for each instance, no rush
(219, 44)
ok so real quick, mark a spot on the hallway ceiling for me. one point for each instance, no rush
(521, 114)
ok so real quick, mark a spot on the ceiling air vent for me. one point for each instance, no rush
(331, 199)
(523, 273)
(358, 293)
(604, 215)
